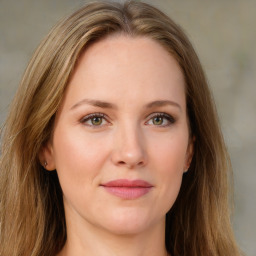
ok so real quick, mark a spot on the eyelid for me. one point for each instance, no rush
(90, 116)
(169, 117)
(171, 120)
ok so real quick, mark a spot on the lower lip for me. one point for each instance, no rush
(128, 192)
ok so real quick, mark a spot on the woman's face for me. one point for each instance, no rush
(121, 138)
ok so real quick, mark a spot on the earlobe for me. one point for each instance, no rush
(190, 153)
(46, 157)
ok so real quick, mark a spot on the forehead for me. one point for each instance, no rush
(125, 67)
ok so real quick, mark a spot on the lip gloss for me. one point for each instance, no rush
(127, 189)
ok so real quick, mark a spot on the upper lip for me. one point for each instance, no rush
(127, 183)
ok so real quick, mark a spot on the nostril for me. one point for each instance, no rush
(140, 163)
(130, 165)
(130, 157)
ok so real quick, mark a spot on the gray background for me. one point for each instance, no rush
(224, 35)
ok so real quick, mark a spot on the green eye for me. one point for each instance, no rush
(158, 120)
(96, 120)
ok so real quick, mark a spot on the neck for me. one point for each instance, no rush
(89, 240)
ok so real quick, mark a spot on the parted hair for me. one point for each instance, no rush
(32, 218)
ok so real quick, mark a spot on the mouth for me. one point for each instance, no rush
(127, 189)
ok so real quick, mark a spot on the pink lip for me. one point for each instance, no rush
(127, 189)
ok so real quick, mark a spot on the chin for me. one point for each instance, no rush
(129, 222)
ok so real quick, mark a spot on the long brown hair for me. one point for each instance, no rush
(32, 220)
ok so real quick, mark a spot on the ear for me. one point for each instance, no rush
(46, 157)
(189, 154)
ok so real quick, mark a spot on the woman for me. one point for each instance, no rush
(112, 145)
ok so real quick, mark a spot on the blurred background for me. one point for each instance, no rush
(224, 35)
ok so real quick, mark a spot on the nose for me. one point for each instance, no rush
(129, 148)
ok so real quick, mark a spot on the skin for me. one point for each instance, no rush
(129, 142)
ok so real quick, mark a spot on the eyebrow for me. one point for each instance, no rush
(162, 103)
(103, 104)
(95, 103)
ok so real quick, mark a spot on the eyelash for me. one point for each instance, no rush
(171, 120)
(91, 116)
(168, 117)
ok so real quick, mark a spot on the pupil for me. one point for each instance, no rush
(158, 120)
(97, 120)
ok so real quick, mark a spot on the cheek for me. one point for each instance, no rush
(170, 164)
(169, 153)
(78, 158)
(168, 156)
